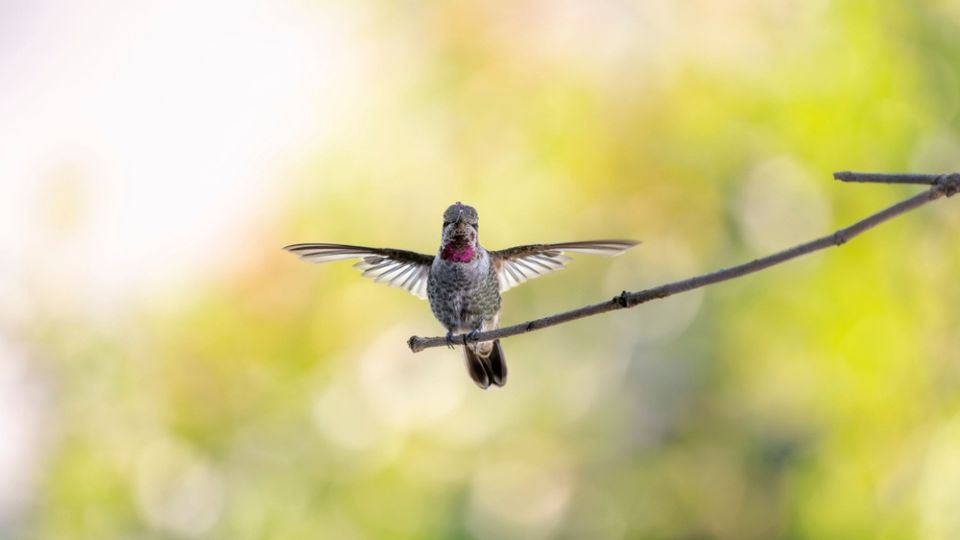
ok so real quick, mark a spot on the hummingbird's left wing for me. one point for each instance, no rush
(405, 269)
(518, 264)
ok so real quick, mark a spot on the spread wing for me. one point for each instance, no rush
(518, 264)
(396, 267)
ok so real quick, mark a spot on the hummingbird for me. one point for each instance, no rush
(463, 281)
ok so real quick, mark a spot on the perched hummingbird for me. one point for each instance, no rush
(463, 281)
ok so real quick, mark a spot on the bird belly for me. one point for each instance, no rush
(461, 296)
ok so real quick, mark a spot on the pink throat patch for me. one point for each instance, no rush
(455, 253)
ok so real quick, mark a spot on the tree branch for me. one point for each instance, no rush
(944, 185)
(886, 178)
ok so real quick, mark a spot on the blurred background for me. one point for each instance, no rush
(166, 371)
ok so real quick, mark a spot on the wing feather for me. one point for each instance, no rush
(524, 268)
(509, 277)
(397, 280)
(536, 260)
(518, 264)
(395, 267)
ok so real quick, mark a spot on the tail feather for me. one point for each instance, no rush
(476, 369)
(497, 365)
(489, 369)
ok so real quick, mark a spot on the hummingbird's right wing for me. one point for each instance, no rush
(518, 264)
(405, 269)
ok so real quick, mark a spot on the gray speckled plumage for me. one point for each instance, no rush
(464, 296)
(463, 281)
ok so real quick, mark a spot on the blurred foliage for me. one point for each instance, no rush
(819, 399)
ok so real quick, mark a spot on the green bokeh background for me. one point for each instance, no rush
(266, 398)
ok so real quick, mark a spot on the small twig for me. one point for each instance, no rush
(944, 185)
(886, 178)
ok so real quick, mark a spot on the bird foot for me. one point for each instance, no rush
(450, 339)
(470, 336)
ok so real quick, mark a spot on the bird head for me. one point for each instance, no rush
(460, 227)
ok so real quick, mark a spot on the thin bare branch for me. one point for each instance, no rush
(887, 178)
(944, 185)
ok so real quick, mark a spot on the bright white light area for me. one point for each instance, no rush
(22, 418)
(138, 140)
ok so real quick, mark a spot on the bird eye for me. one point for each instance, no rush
(445, 223)
(476, 226)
